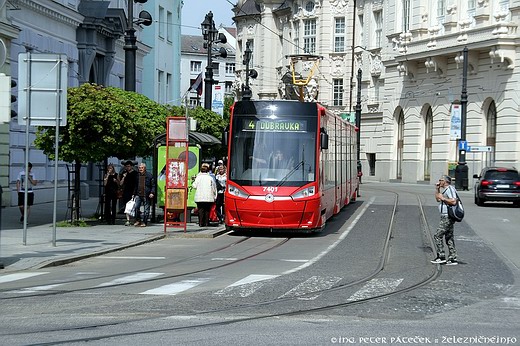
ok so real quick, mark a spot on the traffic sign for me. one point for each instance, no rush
(474, 149)
(463, 145)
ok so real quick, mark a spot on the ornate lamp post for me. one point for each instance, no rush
(358, 123)
(461, 171)
(210, 35)
(130, 42)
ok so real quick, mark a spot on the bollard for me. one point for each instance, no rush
(461, 176)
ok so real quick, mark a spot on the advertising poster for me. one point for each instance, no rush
(456, 122)
(193, 169)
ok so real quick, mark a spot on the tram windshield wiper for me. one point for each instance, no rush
(301, 163)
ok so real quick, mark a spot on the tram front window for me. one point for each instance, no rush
(272, 158)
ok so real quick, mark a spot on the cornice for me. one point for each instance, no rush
(56, 12)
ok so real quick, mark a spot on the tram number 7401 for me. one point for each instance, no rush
(270, 189)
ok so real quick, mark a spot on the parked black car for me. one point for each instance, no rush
(497, 184)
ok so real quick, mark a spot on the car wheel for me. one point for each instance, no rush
(479, 201)
(516, 203)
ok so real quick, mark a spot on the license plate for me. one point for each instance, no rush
(502, 186)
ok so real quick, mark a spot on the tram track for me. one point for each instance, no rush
(294, 312)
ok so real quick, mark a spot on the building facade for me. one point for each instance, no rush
(91, 34)
(410, 54)
(194, 60)
(161, 66)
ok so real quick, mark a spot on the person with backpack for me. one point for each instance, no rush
(446, 195)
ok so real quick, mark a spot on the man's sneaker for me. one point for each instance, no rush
(439, 260)
(452, 262)
(127, 223)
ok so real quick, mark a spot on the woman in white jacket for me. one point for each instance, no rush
(205, 194)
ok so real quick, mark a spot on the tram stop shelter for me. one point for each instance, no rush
(198, 141)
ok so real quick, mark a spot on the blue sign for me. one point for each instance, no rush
(463, 145)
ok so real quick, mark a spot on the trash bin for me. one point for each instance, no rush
(461, 176)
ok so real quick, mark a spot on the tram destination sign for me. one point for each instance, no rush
(263, 125)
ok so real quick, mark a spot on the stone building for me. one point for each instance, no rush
(410, 54)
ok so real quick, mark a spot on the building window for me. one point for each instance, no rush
(406, 15)
(195, 66)
(230, 68)
(169, 26)
(400, 144)
(228, 88)
(337, 92)
(309, 36)
(296, 37)
(428, 134)
(491, 132)
(339, 35)
(168, 87)
(309, 6)
(216, 69)
(361, 24)
(441, 8)
(378, 21)
(376, 88)
(251, 45)
(160, 21)
(160, 86)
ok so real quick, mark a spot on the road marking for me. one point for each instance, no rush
(295, 260)
(246, 286)
(224, 259)
(18, 276)
(175, 288)
(36, 289)
(332, 246)
(130, 278)
(311, 285)
(375, 287)
(134, 257)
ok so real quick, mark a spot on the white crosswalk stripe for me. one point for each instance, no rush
(176, 288)
(131, 278)
(19, 276)
(36, 289)
(246, 286)
(375, 287)
(311, 285)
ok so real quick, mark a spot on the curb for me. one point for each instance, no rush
(62, 261)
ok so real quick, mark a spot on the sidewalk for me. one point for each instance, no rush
(75, 243)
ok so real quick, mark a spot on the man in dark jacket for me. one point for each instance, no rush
(144, 192)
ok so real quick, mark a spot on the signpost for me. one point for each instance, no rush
(42, 101)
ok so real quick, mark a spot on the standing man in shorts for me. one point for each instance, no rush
(20, 187)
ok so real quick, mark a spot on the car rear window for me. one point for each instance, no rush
(501, 175)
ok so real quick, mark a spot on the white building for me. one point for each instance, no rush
(409, 53)
(194, 60)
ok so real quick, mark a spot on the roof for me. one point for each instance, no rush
(191, 44)
(200, 138)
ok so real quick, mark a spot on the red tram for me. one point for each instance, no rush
(292, 166)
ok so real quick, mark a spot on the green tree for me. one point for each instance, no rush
(103, 122)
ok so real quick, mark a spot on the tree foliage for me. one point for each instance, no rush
(104, 122)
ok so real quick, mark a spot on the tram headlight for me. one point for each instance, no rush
(310, 191)
(235, 191)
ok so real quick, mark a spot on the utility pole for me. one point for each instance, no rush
(461, 171)
(358, 123)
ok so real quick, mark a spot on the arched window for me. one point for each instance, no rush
(428, 134)
(491, 133)
(400, 144)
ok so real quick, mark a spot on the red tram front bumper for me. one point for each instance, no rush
(282, 213)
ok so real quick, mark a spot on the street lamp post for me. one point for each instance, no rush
(211, 35)
(208, 33)
(358, 123)
(461, 171)
(130, 46)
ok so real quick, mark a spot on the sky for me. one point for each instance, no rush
(194, 12)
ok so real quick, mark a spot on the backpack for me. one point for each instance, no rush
(456, 212)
